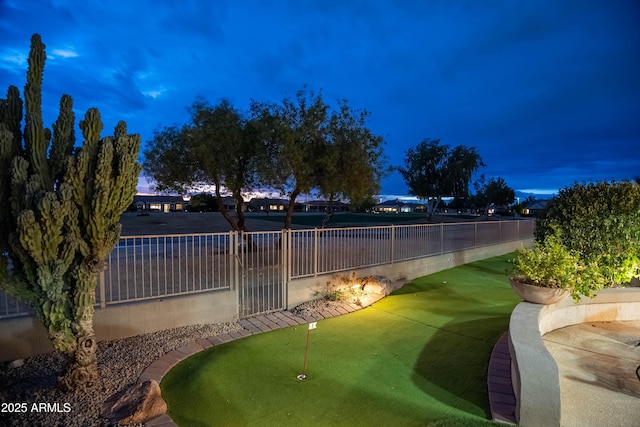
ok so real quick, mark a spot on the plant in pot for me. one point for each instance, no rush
(547, 273)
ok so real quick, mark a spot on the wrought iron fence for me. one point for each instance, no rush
(259, 264)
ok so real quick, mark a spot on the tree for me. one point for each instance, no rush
(295, 133)
(495, 192)
(365, 205)
(352, 161)
(61, 211)
(433, 171)
(219, 147)
(203, 202)
(309, 147)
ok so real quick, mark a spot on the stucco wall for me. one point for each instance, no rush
(310, 288)
(26, 336)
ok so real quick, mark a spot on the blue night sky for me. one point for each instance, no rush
(548, 91)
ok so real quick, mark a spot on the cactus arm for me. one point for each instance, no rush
(63, 138)
(36, 145)
(11, 116)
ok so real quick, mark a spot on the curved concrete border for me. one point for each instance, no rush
(534, 372)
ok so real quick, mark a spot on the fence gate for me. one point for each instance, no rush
(260, 272)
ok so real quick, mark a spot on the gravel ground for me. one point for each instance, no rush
(120, 363)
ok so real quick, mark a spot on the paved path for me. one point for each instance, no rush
(599, 382)
(599, 366)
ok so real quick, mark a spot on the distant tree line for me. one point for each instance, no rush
(294, 147)
(434, 171)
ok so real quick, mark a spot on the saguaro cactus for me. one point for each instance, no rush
(60, 214)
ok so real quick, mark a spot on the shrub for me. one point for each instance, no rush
(601, 222)
(346, 288)
(549, 264)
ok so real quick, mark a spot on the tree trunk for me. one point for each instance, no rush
(223, 210)
(240, 211)
(288, 219)
(328, 215)
(432, 205)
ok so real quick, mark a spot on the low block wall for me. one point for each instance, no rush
(310, 288)
(25, 336)
(535, 375)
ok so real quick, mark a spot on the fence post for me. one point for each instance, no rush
(475, 235)
(286, 265)
(441, 238)
(315, 251)
(233, 269)
(393, 241)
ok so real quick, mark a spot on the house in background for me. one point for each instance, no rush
(159, 203)
(258, 204)
(321, 206)
(230, 203)
(397, 206)
(534, 207)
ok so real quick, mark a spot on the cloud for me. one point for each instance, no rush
(549, 92)
(63, 53)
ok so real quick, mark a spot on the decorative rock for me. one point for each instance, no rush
(15, 364)
(138, 404)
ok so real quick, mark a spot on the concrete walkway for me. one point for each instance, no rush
(599, 382)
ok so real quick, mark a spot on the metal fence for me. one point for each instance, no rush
(259, 264)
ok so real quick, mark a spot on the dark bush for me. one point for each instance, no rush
(601, 222)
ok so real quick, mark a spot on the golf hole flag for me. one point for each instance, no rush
(303, 375)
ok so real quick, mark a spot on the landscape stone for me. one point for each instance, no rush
(137, 404)
(15, 364)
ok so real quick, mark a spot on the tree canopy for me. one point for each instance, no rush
(219, 147)
(311, 147)
(494, 192)
(433, 171)
(295, 147)
(296, 132)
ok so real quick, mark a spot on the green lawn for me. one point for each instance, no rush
(348, 219)
(417, 357)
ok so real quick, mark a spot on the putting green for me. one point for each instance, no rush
(417, 357)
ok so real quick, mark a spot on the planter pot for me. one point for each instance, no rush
(537, 294)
